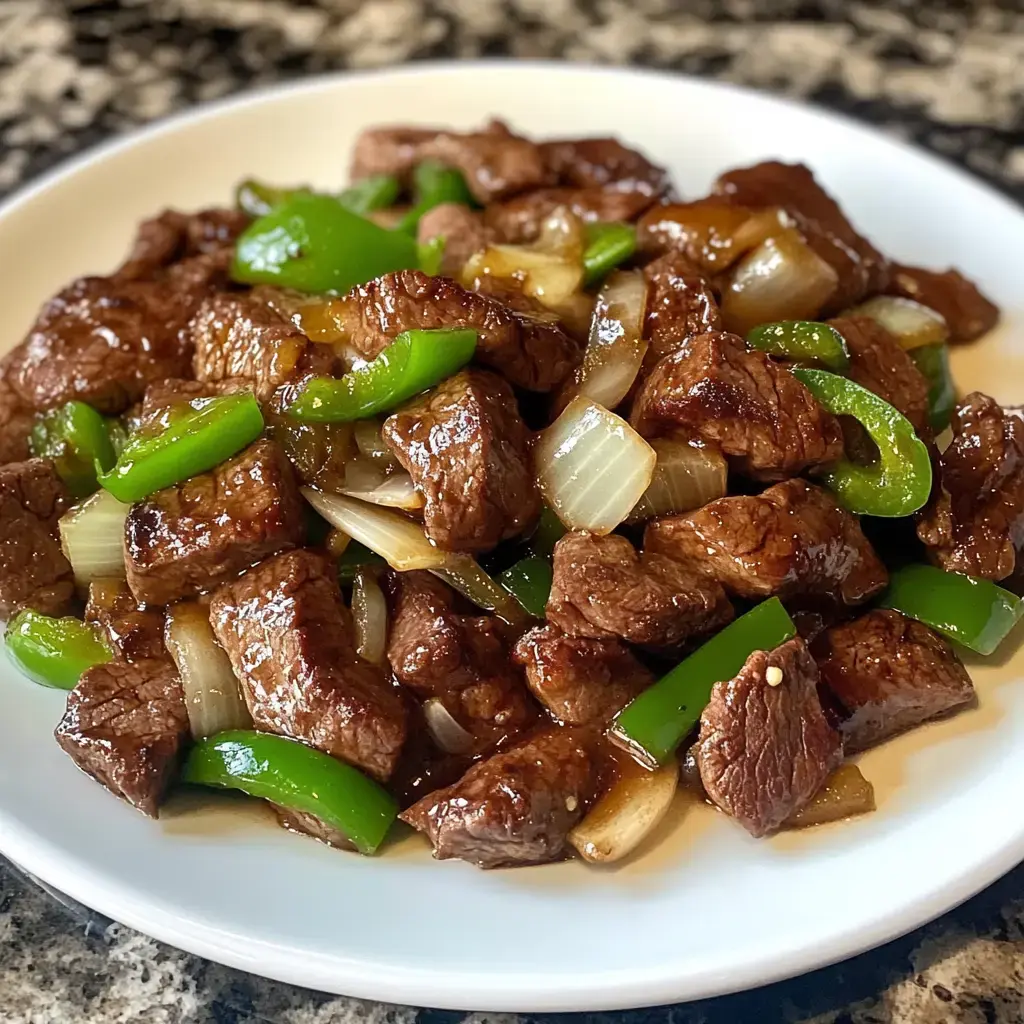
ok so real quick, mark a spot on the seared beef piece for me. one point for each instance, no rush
(765, 747)
(516, 808)
(289, 638)
(125, 725)
(889, 674)
(581, 681)
(596, 163)
(755, 410)
(680, 304)
(463, 231)
(33, 570)
(862, 270)
(163, 396)
(495, 162)
(603, 589)
(15, 423)
(467, 451)
(966, 311)
(191, 537)
(532, 353)
(173, 236)
(879, 363)
(975, 520)
(238, 336)
(305, 824)
(459, 659)
(790, 540)
(133, 632)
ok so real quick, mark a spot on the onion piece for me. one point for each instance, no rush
(912, 324)
(444, 730)
(844, 794)
(92, 537)
(626, 814)
(687, 475)
(396, 491)
(370, 615)
(371, 444)
(463, 573)
(592, 467)
(212, 695)
(562, 234)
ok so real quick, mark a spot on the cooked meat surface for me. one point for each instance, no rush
(33, 570)
(581, 681)
(134, 632)
(597, 163)
(603, 589)
(755, 410)
(975, 520)
(889, 674)
(172, 236)
(125, 725)
(765, 747)
(164, 396)
(463, 231)
(967, 312)
(680, 304)
(289, 638)
(189, 538)
(515, 808)
(15, 423)
(305, 824)
(466, 449)
(790, 540)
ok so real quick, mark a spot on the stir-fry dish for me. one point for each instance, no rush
(505, 493)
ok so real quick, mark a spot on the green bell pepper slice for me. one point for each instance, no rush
(899, 482)
(212, 430)
(297, 777)
(377, 192)
(77, 438)
(803, 341)
(54, 652)
(968, 609)
(258, 199)
(529, 582)
(312, 243)
(434, 184)
(431, 255)
(550, 530)
(657, 721)
(356, 556)
(609, 243)
(933, 362)
(413, 362)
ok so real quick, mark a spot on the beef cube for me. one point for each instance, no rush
(189, 538)
(755, 410)
(791, 540)
(889, 674)
(33, 570)
(680, 305)
(289, 638)
(167, 396)
(134, 632)
(765, 747)
(516, 808)
(466, 449)
(975, 520)
(596, 163)
(603, 589)
(967, 312)
(460, 660)
(304, 823)
(125, 725)
(463, 231)
(16, 423)
(581, 681)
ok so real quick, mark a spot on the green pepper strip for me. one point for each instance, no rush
(656, 722)
(933, 362)
(377, 192)
(899, 482)
(803, 341)
(298, 777)
(77, 438)
(434, 184)
(312, 243)
(608, 245)
(257, 199)
(430, 255)
(54, 652)
(355, 557)
(211, 431)
(970, 610)
(529, 582)
(413, 362)
(550, 530)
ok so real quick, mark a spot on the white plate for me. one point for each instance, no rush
(707, 909)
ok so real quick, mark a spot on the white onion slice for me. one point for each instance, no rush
(371, 444)
(92, 536)
(592, 467)
(396, 491)
(463, 573)
(445, 731)
(910, 323)
(687, 475)
(370, 616)
(212, 695)
(562, 234)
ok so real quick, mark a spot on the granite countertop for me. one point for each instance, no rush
(944, 73)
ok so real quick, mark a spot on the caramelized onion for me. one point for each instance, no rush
(687, 475)
(845, 793)
(371, 444)
(370, 617)
(395, 491)
(92, 537)
(445, 731)
(912, 324)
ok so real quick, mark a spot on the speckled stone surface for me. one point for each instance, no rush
(948, 74)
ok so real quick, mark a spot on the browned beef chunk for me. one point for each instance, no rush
(15, 423)
(889, 674)
(530, 352)
(581, 681)
(191, 537)
(33, 570)
(173, 236)
(596, 163)
(603, 589)
(967, 312)
(134, 632)
(460, 660)
(680, 304)
(305, 824)
(765, 747)
(755, 410)
(463, 231)
(975, 520)
(289, 638)
(164, 396)
(515, 808)
(125, 725)
(466, 449)
(790, 540)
